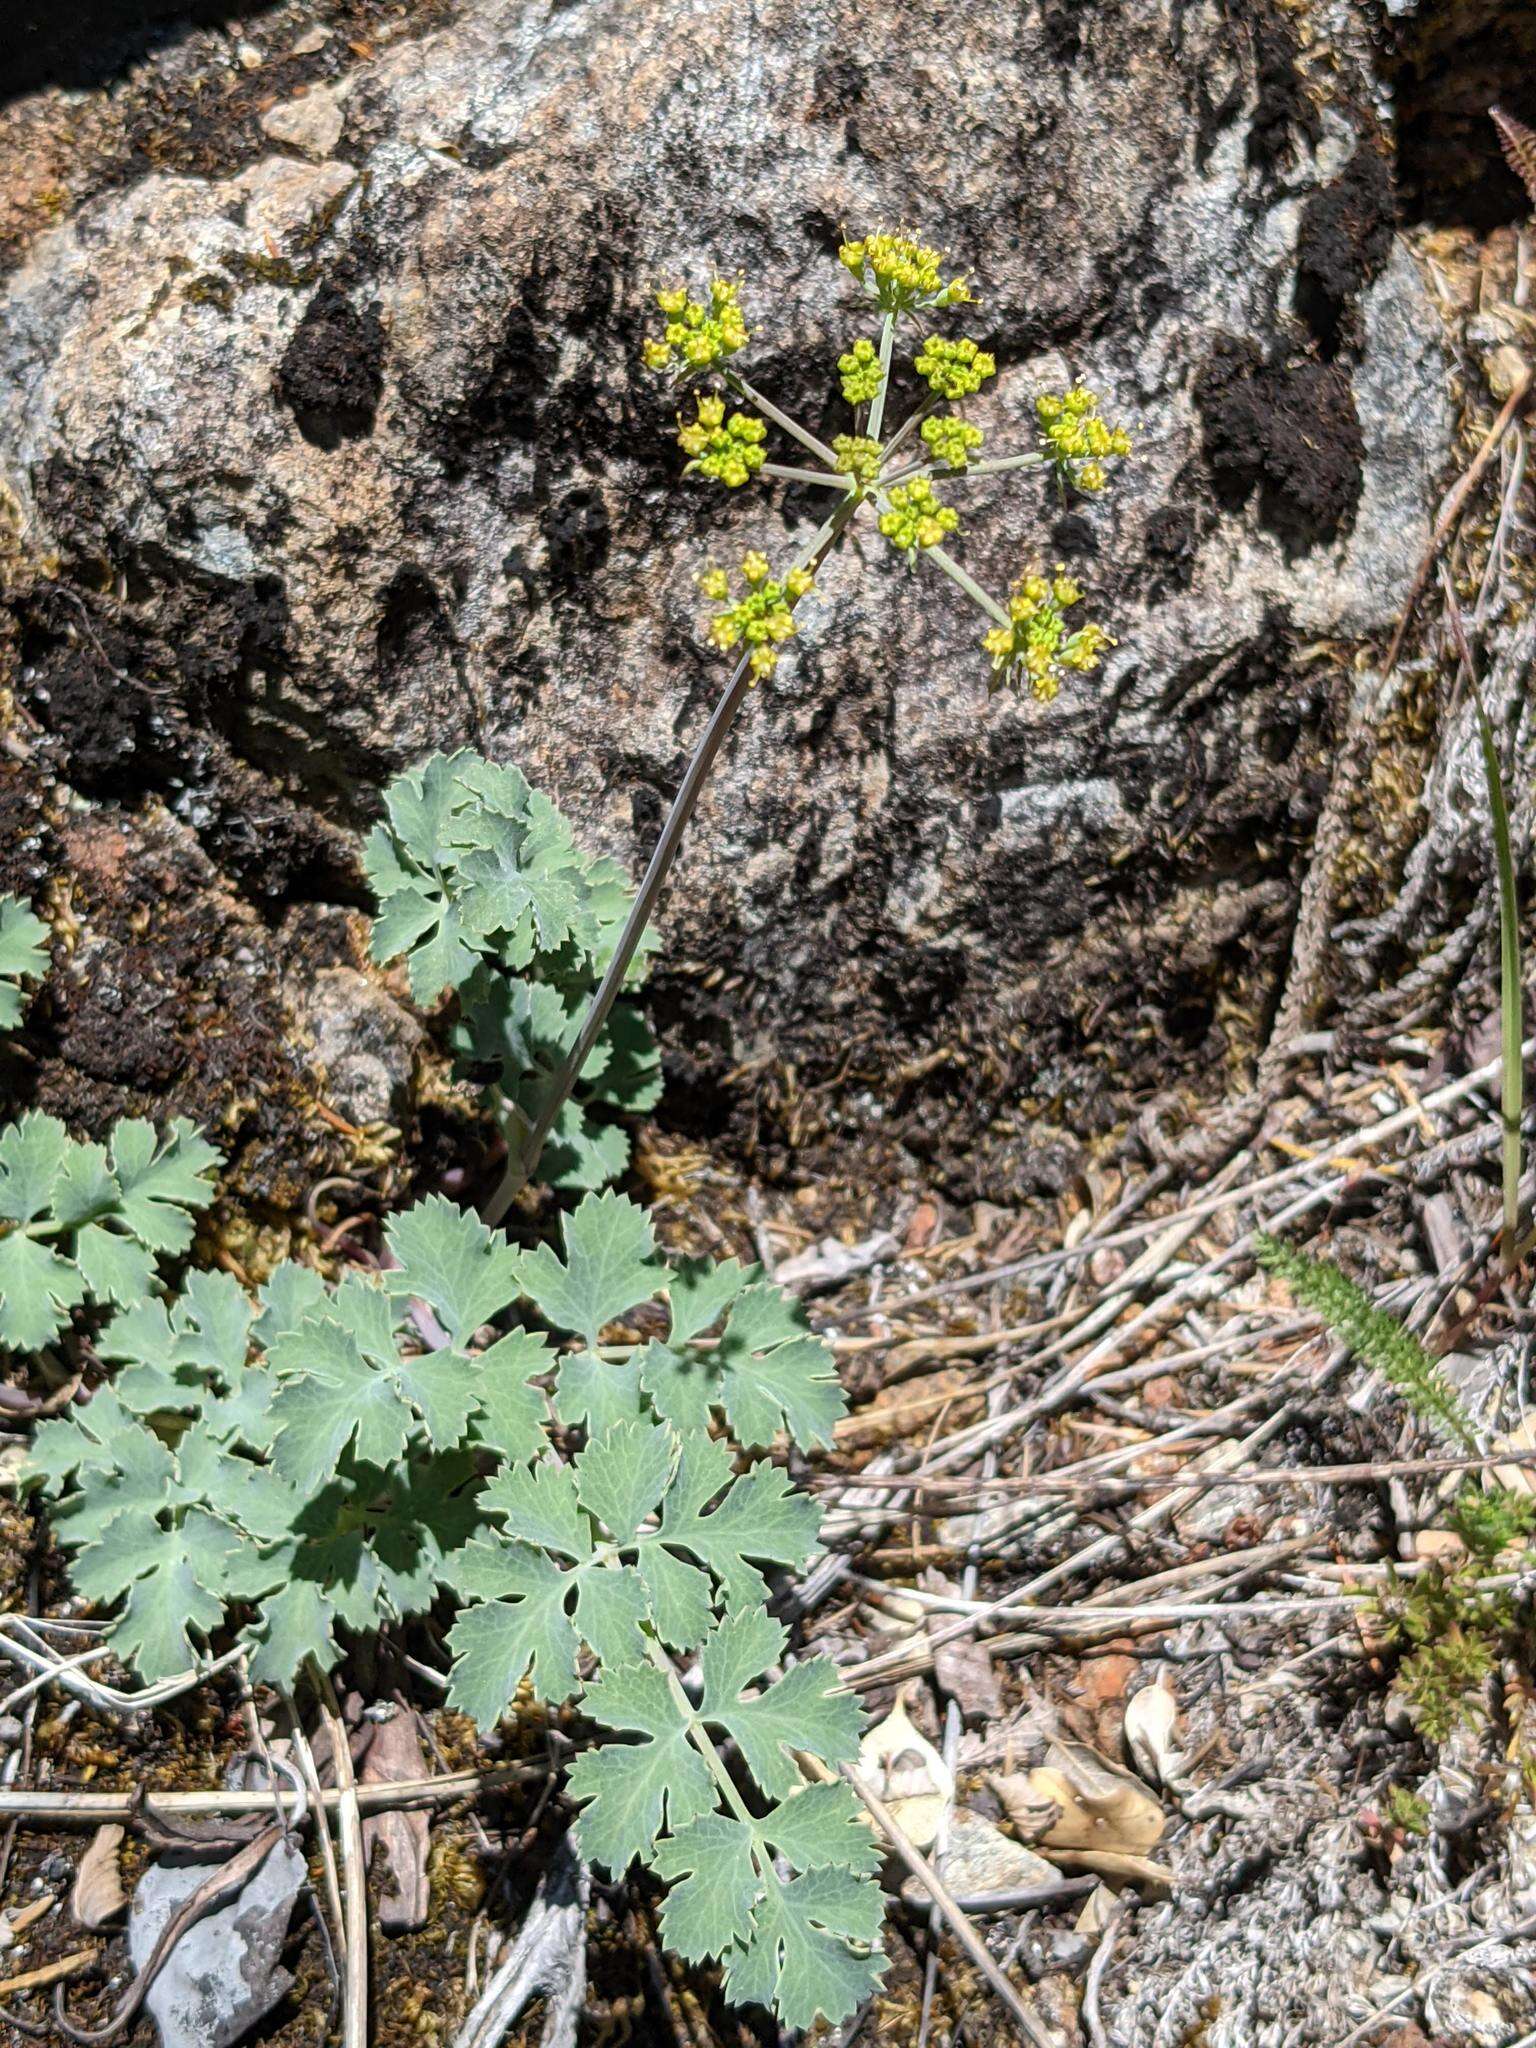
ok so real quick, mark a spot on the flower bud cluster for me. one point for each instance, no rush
(902, 275)
(857, 456)
(860, 372)
(1036, 639)
(951, 439)
(1076, 439)
(730, 450)
(762, 617)
(954, 369)
(696, 334)
(916, 516)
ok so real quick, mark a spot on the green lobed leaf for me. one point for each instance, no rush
(511, 1409)
(296, 1624)
(179, 1590)
(629, 1791)
(808, 1958)
(758, 1515)
(335, 1395)
(448, 1258)
(595, 1393)
(766, 1371)
(622, 1474)
(609, 1267)
(715, 1887)
(162, 1181)
(23, 956)
(32, 1155)
(540, 1505)
(806, 1709)
(37, 1291)
(681, 1597)
(496, 1645)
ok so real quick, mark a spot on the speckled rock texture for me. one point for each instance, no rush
(331, 433)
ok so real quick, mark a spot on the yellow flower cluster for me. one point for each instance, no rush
(696, 334)
(1037, 640)
(730, 450)
(857, 456)
(954, 369)
(762, 617)
(1077, 440)
(901, 274)
(917, 516)
(951, 439)
(860, 371)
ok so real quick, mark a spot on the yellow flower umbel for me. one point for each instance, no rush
(762, 617)
(954, 369)
(916, 516)
(860, 372)
(1076, 439)
(951, 439)
(730, 450)
(902, 275)
(696, 335)
(857, 456)
(1037, 641)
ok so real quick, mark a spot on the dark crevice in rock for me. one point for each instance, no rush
(1455, 59)
(141, 712)
(331, 373)
(1345, 238)
(1288, 429)
(91, 42)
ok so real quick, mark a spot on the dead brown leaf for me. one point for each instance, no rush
(1081, 1807)
(97, 1895)
(393, 1757)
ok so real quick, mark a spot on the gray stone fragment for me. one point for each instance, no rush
(224, 1973)
(365, 1043)
(312, 124)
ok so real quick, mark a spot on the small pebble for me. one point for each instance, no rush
(248, 57)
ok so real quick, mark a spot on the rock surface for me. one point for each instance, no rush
(361, 452)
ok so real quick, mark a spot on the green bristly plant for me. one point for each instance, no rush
(1372, 1333)
(474, 1429)
(1452, 1631)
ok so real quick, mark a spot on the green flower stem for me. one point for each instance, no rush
(770, 411)
(973, 590)
(787, 473)
(1004, 464)
(908, 427)
(1000, 467)
(877, 403)
(522, 1164)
